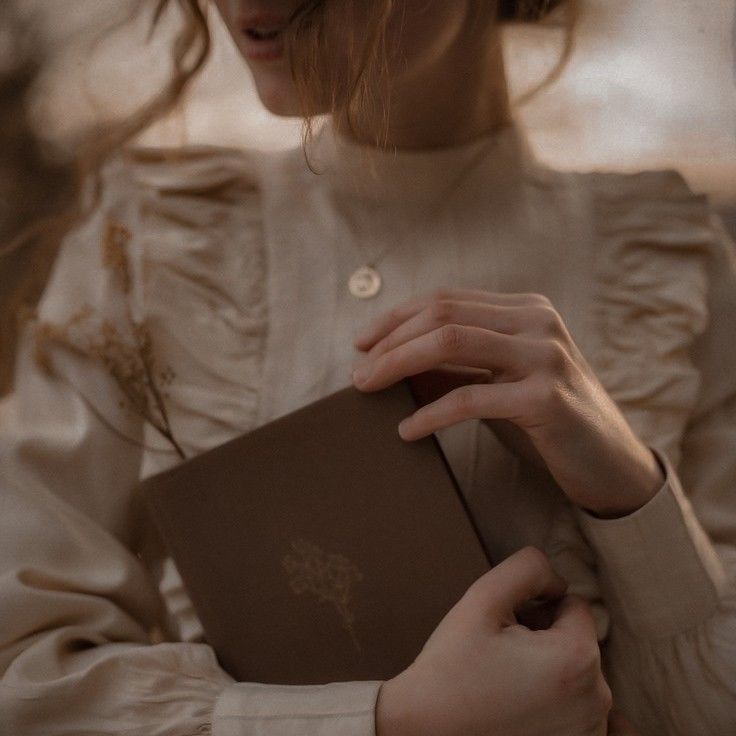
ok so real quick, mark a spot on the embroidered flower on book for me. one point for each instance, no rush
(330, 577)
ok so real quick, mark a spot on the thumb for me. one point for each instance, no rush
(525, 575)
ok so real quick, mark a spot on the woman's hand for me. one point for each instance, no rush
(512, 363)
(481, 672)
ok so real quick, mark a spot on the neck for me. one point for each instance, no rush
(459, 98)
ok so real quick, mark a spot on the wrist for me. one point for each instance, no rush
(392, 719)
(642, 487)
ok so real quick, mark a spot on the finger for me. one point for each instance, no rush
(581, 656)
(537, 615)
(431, 385)
(468, 346)
(525, 575)
(574, 617)
(497, 400)
(389, 321)
(506, 319)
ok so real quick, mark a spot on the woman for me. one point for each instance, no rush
(571, 334)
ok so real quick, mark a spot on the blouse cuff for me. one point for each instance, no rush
(660, 572)
(334, 709)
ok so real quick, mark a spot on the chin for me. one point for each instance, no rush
(278, 96)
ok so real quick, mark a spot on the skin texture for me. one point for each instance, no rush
(531, 385)
(505, 358)
(446, 79)
(482, 673)
(447, 86)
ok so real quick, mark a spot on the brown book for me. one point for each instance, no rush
(320, 547)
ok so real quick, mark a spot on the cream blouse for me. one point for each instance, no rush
(234, 264)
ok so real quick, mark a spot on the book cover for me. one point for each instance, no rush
(320, 547)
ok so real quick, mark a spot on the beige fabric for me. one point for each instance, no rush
(238, 263)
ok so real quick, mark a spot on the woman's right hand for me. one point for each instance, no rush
(481, 673)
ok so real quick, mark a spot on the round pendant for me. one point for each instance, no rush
(365, 282)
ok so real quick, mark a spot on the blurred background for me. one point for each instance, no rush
(650, 85)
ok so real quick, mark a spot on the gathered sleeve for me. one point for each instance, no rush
(666, 324)
(85, 647)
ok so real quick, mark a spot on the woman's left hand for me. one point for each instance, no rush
(532, 376)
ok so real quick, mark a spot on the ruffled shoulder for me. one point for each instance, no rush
(194, 169)
(653, 239)
(163, 285)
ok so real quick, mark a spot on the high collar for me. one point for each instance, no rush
(421, 176)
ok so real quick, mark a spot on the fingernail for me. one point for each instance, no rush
(405, 430)
(361, 373)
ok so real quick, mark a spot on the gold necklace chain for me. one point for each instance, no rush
(365, 282)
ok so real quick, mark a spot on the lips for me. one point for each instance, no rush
(262, 34)
(263, 37)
